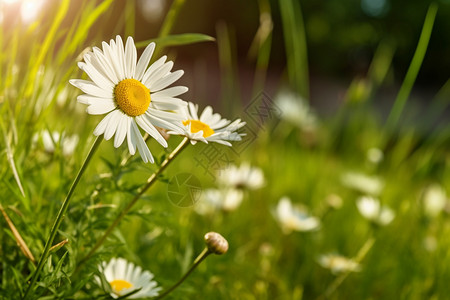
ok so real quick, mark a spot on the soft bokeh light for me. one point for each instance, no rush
(375, 8)
(30, 10)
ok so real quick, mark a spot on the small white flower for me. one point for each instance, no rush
(244, 176)
(371, 209)
(363, 183)
(294, 219)
(295, 110)
(49, 141)
(124, 277)
(434, 200)
(209, 127)
(130, 94)
(226, 199)
(338, 263)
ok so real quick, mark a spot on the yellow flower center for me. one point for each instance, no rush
(132, 97)
(196, 126)
(118, 285)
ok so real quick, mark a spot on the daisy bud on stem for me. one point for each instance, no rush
(215, 244)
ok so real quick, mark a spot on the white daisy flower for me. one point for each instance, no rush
(244, 176)
(338, 263)
(294, 219)
(124, 277)
(130, 94)
(210, 127)
(371, 209)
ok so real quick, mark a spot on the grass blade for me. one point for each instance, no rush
(177, 40)
(295, 42)
(19, 240)
(413, 69)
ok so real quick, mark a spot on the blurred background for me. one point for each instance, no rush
(341, 39)
(351, 151)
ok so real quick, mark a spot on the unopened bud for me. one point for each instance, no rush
(216, 243)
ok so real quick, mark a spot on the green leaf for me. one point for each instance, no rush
(177, 40)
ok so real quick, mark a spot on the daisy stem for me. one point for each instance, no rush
(197, 261)
(340, 279)
(60, 217)
(150, 181)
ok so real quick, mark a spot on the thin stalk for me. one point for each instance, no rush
(150, 181)
(60, 216)
(197, 261)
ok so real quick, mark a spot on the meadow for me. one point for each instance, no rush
(347, 202)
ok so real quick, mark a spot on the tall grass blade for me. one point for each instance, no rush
(413, 69)
(177, 40)
(295, 43)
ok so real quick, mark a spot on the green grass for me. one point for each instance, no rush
(408, 260)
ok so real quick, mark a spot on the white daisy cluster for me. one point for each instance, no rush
(232, 183)
(134, 95)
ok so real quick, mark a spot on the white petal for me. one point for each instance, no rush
(156, 65)
(193, 109)
(101, 127)
(96, 76)
(148, 127)
(130, 137)
(112, 124)
(102, 62)
(120, 52)
(130, 58)
(88, 99)
(171, 92)
(158, 74)
(177, 126)
(166, 81)
(119, 270)
(100, 107)
(90, 88)
(142, 147)
(122, 130)
(167, 103)
(143, 61)
(110, 52)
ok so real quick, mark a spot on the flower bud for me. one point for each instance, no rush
(216, 243)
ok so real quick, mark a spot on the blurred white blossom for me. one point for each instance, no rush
(49, 141)
(334, 201)
(212, 200)
(363, 183)
(371, 209)
(375, 155)
(294, 219)
(434, 200)
(242, 177)
(295, 110)
(338, 263)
